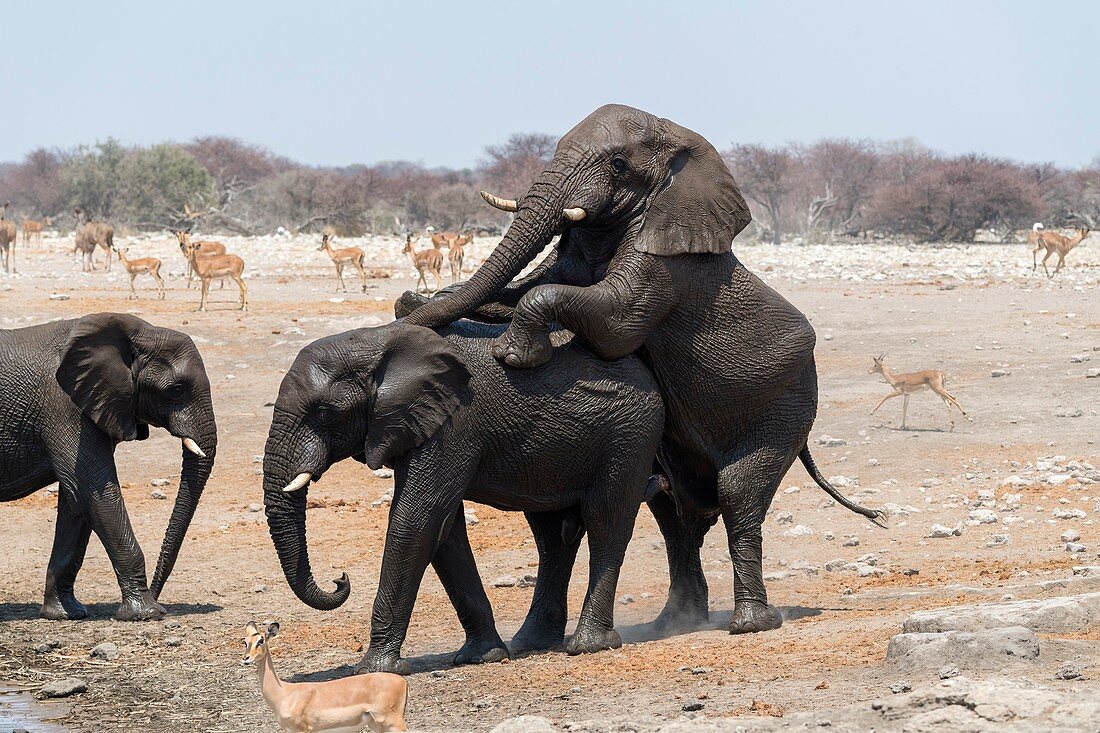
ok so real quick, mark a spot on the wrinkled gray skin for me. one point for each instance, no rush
(650, 270)
(72, 391)
(570, 445)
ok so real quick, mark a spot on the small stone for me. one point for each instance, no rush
(64, 687)
(900, 687)
(799, 530)
(948, 671)
(691, 707)
(383, 472)
(910, 572)
(505, 581)
(996, 373)
(259, 588)
(1079, 358)
(106, 650)
(173, 641)
(850, 541)
(626, 600)
(1068, 514)
(470, 517)
(872, 461)
(1058, 479)
(1075, 547)
(522, 724)
(983, 516)
(1070, 535)
(255, 508)
(1068, 672)
(830, 442)
(939, 531)
(997, 539)
(527, 581)
(158, 494)
(159, 482)
(834, 565)
(784, 518)
(702, 670)
(47, 646)
(1092, 374)
(1068, 412)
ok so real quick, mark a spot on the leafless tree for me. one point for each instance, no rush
(767, 175)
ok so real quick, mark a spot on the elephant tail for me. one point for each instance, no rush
(877, 516)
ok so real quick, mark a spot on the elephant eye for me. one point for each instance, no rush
(176, 391)
(326, 414)
(619, 165)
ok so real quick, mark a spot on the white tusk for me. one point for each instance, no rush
(300, 481)
(193, 447)
(574, 214)
(499, 203)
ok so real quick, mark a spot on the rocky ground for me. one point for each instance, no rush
(998, 515)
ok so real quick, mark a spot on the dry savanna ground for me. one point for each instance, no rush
(971, 311)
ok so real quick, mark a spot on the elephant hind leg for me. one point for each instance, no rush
(687, 607)
(745, 489)
(70, 542)
(454, 563)
(557, 537)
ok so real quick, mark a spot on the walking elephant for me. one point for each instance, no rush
(570, 445)
(647, 211)
(72, 391)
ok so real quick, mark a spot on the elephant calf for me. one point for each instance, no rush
(571, 445)
(72, 391)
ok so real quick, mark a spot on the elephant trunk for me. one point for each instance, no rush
(193, 477)
(286, 520)
(538, 219)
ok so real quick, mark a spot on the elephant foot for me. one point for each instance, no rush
(383, 662)
(522, 350)
(677, 618)
(487, 650)
(63, 607)
(750, 617)
(589, 641)
(538, 637)
(142, 607)
(407, 303)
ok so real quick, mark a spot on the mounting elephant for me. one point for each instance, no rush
(571, 445)
(647, 211)
(72, 391)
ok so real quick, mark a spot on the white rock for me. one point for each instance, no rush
(940, 531)
(983, 516)
(799, 530)
(383, 472)
(1058, 479)
(1070, 535)
(1068, 514)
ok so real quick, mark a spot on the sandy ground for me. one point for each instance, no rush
(965, 310)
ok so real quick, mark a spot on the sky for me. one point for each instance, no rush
(336, 83)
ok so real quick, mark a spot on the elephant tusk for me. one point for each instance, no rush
(300, 481)
(193, 447)
(499, 203)
(575, 214)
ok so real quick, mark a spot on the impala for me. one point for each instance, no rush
(1055, 242)
(342, 257)
(373, 701)
(32, 230)
(456, 254)
(906, 384)
(8, 234)
(213, 267)
(141, 266)
(428, 259)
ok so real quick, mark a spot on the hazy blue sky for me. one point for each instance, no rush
(338, 83)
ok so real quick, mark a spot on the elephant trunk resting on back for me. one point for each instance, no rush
(647, 211)
(72, 391)
(571, 445)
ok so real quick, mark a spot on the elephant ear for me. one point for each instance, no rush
(698, 207)
(97, 372)
(419, 383)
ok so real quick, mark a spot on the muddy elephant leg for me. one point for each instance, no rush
(557, 537)
(454, 563)
(746, 488)
(70, 542)
(427, 499)
(688, 601)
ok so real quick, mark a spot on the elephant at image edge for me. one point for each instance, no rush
(75, 389)
(647, 211)
(571, 445)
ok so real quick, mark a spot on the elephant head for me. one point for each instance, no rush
(373, 394)
(621, 176)
(124, 375)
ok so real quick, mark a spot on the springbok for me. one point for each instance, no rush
(141, 266)
(8, 234)
(89, 234)
(443, 239)
(341, 257)
(375, 701)
(1055, 242)
(906, 384)
(32, 230)
(203, 249)
(456, 254)
(213, 267)
(428, 259)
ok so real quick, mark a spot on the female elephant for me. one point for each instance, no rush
(570, 445)
(72, 391)
(647, 211)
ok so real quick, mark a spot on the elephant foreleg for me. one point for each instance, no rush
(557, 537)
(70, 542)
(454, 563)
